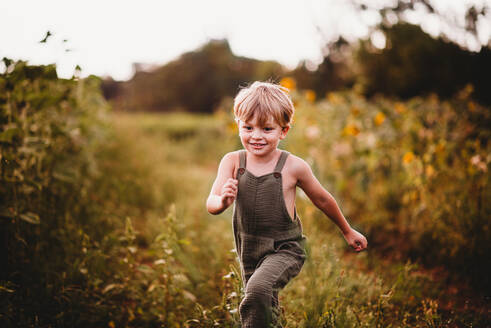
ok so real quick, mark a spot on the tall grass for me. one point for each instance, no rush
(117, 235)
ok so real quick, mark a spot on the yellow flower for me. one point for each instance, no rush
(430, 171)
(351, 129)
(379, 118)
(400, 107)
(111, 324)
(355, 111)
(334, 98)
(289, 83)
(408, 157)
(310, 95)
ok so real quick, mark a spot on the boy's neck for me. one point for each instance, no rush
(263, 159)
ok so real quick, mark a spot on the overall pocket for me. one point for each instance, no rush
(254, 248)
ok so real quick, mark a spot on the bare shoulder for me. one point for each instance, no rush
(231, 156)
(230, 161)
(297, 167)
(296, 164)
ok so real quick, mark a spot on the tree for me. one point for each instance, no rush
(413, 63)
(196, 81)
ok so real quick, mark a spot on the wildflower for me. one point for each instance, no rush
(131, 315)
(289, 83)
(351, 129)
(355, 111)
(477, 162)
(111, 324)
(430, 171)
(334, 98)
(400, 107)
(231, 274)
(379, 118)
(408, 157)
(310, 95)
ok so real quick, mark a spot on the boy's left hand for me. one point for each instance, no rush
(356, 240)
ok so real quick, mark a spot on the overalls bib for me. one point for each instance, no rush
(270, 245)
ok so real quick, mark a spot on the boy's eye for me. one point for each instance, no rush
(247, 128)
(268, 129)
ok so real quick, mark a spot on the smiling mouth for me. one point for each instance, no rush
(258, 144)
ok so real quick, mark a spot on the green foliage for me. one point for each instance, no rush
(73, 257)
(146, 286)
(113, 232)
(337, 71)
(49, 129)
(414, 175)
(413, 63)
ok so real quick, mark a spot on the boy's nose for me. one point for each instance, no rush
(256, 134)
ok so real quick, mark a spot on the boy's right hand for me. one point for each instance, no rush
(229, 192)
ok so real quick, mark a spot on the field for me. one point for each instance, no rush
(106, 223)
(336, 287)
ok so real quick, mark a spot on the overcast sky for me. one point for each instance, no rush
(105, 37)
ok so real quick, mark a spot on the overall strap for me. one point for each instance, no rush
(242, 158)
(281, 161)
(242, 163)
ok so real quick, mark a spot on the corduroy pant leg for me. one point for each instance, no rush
(260, 306)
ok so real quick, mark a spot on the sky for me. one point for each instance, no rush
(105, 37)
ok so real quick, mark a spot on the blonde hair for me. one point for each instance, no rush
(264, 100)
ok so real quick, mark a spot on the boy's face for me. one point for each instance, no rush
(261, 140)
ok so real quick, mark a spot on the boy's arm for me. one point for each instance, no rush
(224, 189)
(321, 198)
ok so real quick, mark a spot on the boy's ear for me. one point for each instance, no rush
(284, 131)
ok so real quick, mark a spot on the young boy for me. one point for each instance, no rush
(262, 181)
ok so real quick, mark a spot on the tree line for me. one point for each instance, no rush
(412, 63)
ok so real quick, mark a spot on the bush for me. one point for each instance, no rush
(49, 131)
(414, 175)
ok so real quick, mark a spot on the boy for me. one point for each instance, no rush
(262, 181)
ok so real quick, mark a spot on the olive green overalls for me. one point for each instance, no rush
(269, 244)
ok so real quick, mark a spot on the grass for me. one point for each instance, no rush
(336, 288)
(105, 221)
